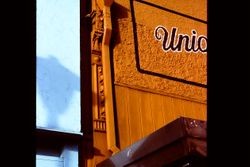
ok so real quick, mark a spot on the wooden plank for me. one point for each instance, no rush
(147, 117)
(157, 109)
(194, 110)
(170, 112)
(122, 116)
(204, 111)
(188, 109)
(134, 107)
(201, 109)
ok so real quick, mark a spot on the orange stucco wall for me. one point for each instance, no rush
(188, 66)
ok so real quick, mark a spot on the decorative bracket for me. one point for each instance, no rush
(101, 72)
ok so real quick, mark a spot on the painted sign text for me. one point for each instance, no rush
(176, 42)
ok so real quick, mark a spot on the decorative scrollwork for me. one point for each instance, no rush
(98, 31)
(101, 97)
(97, 36)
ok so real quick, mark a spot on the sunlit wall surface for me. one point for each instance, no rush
(58, 65)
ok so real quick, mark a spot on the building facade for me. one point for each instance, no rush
(149, 67)
(143, 65)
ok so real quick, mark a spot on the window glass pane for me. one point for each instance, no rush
(58, 65)
(48, 161)
(70, 155)
(67, 158)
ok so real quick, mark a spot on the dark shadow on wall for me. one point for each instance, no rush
(117, 12)
(56, 85)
